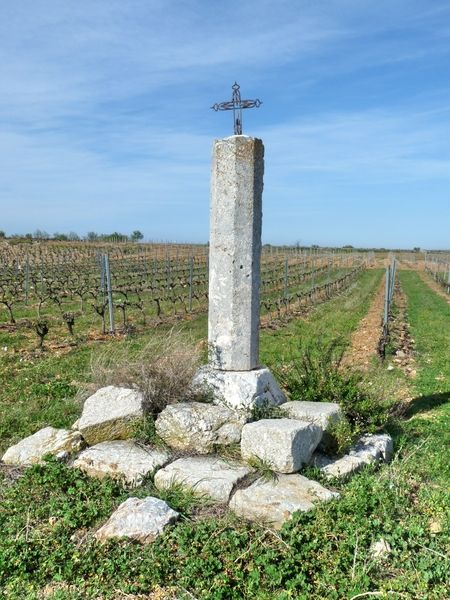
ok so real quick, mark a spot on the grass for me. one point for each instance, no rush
(39, 388)
(334, 319)
(47, 517)
(162, 369)
(428, 310)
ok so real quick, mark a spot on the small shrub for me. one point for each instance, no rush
(265, 410)
(264, 469)
(339, 438)
(162, 370)
(315, 375)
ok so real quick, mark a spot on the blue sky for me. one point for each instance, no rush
(105, 121)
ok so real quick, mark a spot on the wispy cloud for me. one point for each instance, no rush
(104, 105)
(397, 145)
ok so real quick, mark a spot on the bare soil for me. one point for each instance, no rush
(364, 340)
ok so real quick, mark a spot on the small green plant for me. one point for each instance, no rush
(315, 375)
(265, 410)
(338, 437)
(145, 433)
(182, 499)
(263, 468)
(229, 452)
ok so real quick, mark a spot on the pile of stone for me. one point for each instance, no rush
(101, 444)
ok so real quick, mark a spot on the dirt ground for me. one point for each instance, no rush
(364, 341)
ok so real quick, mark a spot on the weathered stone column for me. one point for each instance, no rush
(235, 252)
(234, 375)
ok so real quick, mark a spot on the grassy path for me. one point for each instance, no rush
(429, 319)
(434, 285)
(337, 318)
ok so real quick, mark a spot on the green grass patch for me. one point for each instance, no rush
(47, 518)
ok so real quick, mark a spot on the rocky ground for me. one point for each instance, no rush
(261, 483)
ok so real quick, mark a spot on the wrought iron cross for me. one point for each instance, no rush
(236, 105)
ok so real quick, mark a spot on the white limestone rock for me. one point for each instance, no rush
(379, 550)
(205, 475)
(240, 390)
(340, 468)
(140, 519)
(322, 414)
(122, 460)
(368, 450)
(198, 427)
(112, 413)
(274, 502)
(379, 445)
(45, 441)
(285, 444)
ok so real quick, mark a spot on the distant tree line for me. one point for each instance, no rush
(72, 236)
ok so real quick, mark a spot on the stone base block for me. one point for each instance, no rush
(284, 444)
(112, 413)
(198, 427)
(320, 413)
(240, 389)
(122, 460)
(49, 440)
(380, 446)
(275, 501)
(140, 519)
(205, 475)
(371, 448)
(340, 468)
(323, 414)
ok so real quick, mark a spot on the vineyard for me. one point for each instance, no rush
(438, 265)
(83, 292)
(76, 292)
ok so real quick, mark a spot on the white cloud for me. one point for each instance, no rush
(104, 104)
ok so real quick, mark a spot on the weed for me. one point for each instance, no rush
(229, 452)
(338, 437)
(145, 433)
(263, 468)
(162, 370)
(314, 374)
(265, 410)
(182, 499)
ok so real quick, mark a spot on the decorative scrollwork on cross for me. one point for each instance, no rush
(236, 105)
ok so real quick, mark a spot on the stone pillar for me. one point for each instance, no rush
(233, 375)
(235, 252)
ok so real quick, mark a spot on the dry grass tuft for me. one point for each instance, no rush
(162, 370)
